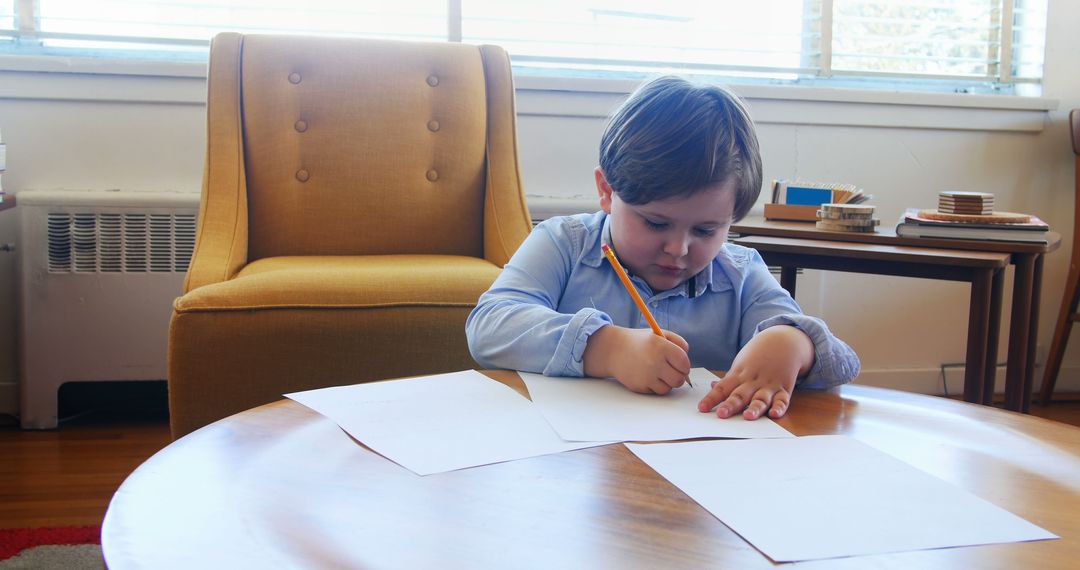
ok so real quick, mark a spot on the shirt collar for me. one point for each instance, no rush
(593, 256)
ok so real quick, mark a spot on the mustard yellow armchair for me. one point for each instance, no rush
(359, 196)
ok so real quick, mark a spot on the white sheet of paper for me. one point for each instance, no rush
(439, 423)
(594, 409)
(819, 497)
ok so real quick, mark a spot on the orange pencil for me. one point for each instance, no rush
(633, 292)
(631, 289)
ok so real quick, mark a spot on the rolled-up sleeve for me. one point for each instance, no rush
(515, 324)
(835, 363)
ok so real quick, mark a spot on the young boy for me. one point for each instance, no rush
(679, 163)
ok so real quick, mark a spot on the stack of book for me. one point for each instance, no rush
(997, 226)
(847, 218)
(800, 201)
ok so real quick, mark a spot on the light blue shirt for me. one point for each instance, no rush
(558, 289)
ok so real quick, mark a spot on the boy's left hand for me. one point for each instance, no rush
(763, 375)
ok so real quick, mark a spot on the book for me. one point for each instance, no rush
(815, 193)
(912, 225)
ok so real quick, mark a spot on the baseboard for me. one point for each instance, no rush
(9, 398)
(933, 381)
(921, 381)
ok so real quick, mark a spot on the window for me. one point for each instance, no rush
(951, 45)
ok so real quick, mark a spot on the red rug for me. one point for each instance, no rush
(60, 547)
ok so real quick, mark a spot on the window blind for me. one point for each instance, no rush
(7, 20)
(971, 39)
(942, 43)
(761, 37)
(177, 23)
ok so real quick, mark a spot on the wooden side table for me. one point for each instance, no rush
(1027, 285)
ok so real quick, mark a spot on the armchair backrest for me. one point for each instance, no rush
(332, 146)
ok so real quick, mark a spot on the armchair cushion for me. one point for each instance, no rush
(341, 282)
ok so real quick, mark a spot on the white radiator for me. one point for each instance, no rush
(98, 272)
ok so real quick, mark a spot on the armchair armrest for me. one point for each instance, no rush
(506, 215)
(221, 247)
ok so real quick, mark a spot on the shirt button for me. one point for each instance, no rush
(294, 78)
(302, 175)
(432, 175)
(301, 126)
(433, 126)
(432, 80)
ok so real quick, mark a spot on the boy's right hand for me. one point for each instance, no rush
(638, 359)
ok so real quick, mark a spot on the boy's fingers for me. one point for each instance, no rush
(718, 394)
(755, 409)
(779, 404)
(678, 360)
(678, 340)
(759, 404)
(660, 386)
(735, 402)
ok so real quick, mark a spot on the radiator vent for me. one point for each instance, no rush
(115, 243)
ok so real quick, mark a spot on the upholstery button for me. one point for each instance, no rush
(302, 175)
(432, 175)
(294, 78)
(301, 126)
(432, 80)
(433, 125)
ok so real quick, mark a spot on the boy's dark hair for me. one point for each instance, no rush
(673, 138)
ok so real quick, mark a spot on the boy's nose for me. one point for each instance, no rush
(677, 246)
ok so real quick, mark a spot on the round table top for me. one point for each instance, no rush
(282, 486)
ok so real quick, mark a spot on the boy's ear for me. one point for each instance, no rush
(604, 189)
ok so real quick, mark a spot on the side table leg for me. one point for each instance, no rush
(1033, 333)
(787, 279)
(1019, 331)
(978, 332)
(992, 336)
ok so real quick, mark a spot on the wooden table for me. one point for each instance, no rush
(1027, 285)
(281, 486)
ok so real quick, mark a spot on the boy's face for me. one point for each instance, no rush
(665, 242)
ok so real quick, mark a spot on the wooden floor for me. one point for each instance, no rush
(67, 476)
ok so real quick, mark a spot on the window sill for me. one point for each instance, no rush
(799, 105)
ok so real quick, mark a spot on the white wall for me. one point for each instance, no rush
(146, 133)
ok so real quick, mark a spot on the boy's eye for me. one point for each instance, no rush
(655, 225)
(705, 232)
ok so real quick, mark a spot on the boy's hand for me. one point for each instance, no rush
(638, 358)
(763, 375)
